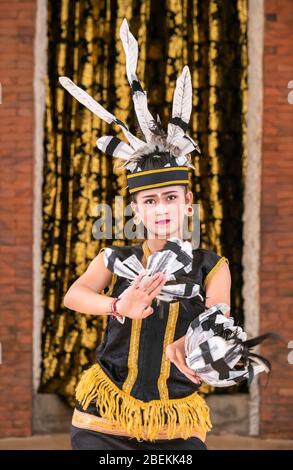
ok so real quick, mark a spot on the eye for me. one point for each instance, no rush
(148, 200)
(173, 195)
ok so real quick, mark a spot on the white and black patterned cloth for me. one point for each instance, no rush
(219, 351)
(174, 260)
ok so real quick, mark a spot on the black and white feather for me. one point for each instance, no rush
(146, 121)
(219, 351)
(91, 104)
(155, 142)
(115, 147)
(181, 111)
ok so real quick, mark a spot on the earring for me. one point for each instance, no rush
(137, 218)
(190, 211)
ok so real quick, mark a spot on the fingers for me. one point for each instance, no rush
(138, 284)
(193, 377)
(182, 363)
(147, 311)
(138, 279)
(155, 292)
(170, 352)
(176, 357)
(153, 282)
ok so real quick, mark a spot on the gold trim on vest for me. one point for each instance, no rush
(168, 338)
(215, 269)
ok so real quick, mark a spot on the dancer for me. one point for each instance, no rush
(140, 393)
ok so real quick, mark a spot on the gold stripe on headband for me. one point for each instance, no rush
(150, 186)
(160, 170)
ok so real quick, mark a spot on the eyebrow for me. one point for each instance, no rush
(153, 195)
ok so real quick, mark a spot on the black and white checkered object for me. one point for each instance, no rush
(219, 351)
(174, 260)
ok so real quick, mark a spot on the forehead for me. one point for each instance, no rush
(158, 192)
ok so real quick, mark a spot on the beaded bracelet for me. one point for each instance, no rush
(114, 312)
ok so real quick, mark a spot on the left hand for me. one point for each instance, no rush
(176, 354)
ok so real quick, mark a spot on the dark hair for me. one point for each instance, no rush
(133, 196)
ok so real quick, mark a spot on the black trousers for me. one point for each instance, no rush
(83, 439)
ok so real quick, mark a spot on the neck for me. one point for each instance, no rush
(156, 244)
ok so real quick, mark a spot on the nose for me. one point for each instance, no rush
(160, 209)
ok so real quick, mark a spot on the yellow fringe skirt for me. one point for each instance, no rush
(181, 417)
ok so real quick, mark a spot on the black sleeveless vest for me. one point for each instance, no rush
(131, 360)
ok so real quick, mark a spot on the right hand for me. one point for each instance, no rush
(135, 301)
(175, 352)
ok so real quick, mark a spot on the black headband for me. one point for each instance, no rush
(157, 178)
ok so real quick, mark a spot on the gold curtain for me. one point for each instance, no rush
(84, 44)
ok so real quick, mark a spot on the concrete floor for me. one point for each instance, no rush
(220, 442)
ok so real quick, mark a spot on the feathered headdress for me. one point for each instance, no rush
(161, 158)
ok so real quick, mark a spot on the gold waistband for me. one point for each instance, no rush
(95, 423)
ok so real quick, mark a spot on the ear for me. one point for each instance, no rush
(189, 197)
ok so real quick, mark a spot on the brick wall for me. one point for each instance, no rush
(17, 31)
(276, 272)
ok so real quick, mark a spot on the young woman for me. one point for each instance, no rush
(144, 357)
(140, 394)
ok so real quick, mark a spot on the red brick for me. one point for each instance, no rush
(276, 272)
(17, 23)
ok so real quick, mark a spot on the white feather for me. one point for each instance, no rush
(91, 104)
(145, 119)
(131, 51)
(182, 104)
(186, 144)
(122, 150)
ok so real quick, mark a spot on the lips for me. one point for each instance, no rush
(163, 222)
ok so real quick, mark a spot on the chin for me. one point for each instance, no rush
(165, 233)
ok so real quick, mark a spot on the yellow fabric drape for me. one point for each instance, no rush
(84, 44)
